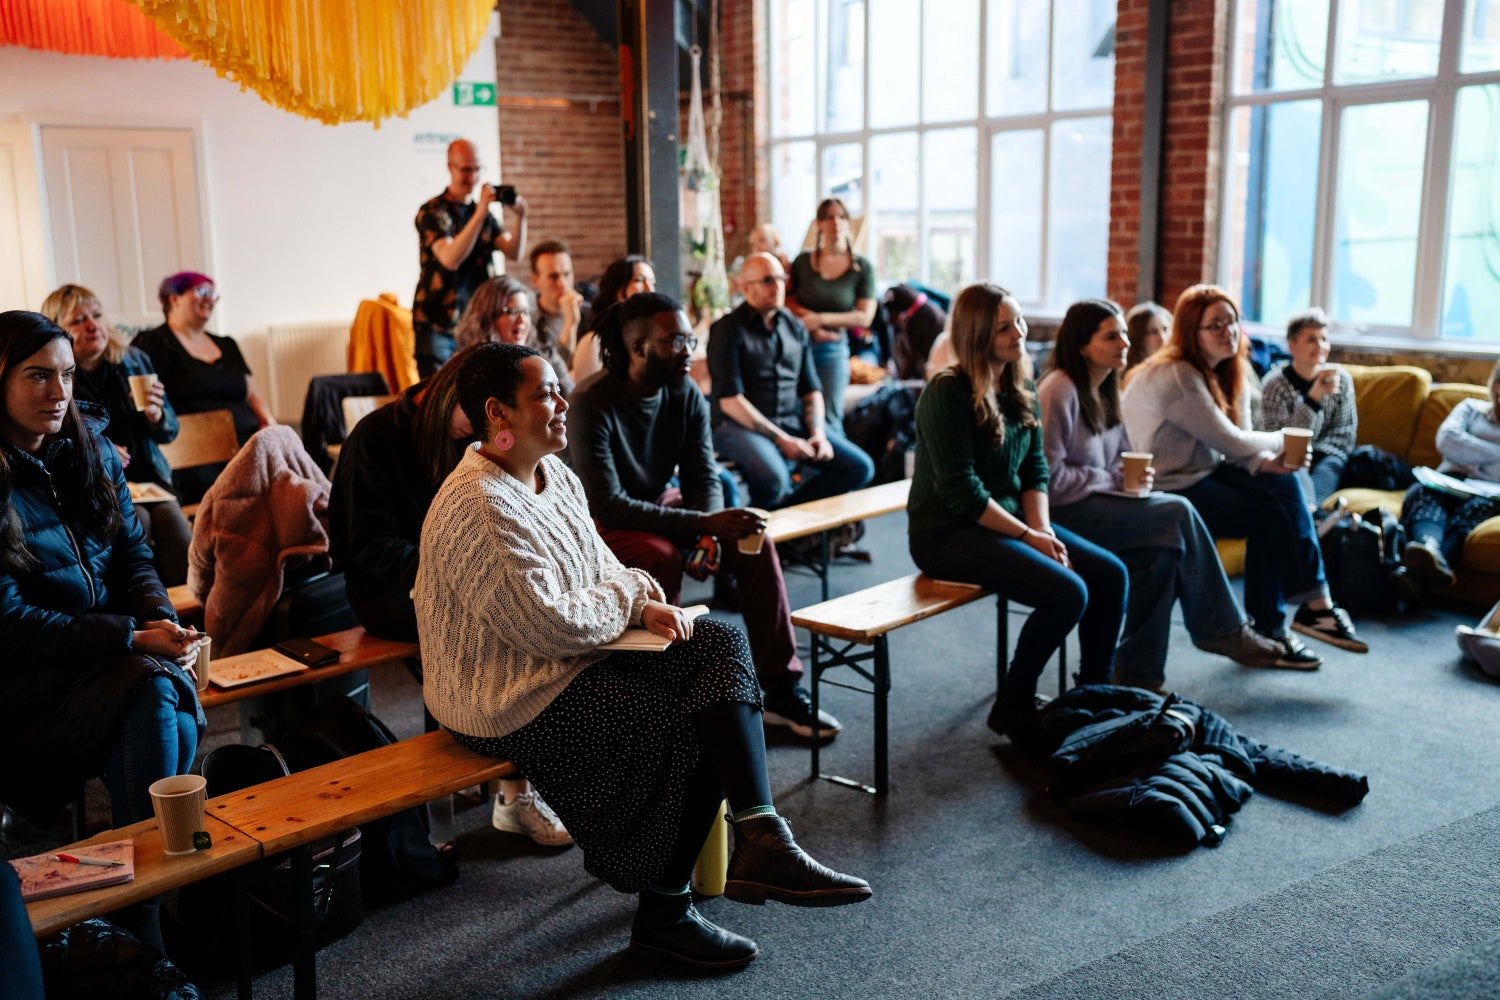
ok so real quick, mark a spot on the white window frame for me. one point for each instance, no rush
(1440, 92)
(985, 128)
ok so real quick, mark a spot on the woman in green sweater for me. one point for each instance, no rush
(978, 510)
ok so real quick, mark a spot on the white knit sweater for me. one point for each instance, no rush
(515, 591)
(1169, 411)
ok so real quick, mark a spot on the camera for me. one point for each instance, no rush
(505, 194)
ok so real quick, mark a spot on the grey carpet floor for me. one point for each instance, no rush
(984, 889)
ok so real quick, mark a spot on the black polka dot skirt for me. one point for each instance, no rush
(615, 753)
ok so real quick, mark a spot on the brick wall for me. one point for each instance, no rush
(559, 110)
(1190, 164)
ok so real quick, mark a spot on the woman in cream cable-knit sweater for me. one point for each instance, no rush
(1186, 404)
(515, 593)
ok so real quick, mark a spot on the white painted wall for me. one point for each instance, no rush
(302, 219)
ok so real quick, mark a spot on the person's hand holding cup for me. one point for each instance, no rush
(141, 394)
(1325, 383)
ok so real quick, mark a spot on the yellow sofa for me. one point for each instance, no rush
(1400, 409)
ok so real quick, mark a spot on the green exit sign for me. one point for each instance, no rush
(474, 95)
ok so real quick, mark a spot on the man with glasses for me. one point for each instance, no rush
(639, 439)
(456, 239)
(768, 403)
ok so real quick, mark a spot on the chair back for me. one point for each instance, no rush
(356, 408)
(202, 439)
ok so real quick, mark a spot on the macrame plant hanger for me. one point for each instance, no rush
(702, 223)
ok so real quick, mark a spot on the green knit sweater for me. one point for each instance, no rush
(958, 467)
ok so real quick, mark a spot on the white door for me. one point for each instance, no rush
(123, 213)
(23, 256)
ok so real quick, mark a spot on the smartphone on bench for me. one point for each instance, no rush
(314, 654)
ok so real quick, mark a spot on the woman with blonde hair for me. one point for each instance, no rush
(978, 510)
(106, 364)
(1188, 404)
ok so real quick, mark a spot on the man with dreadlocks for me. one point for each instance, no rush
(640, 441)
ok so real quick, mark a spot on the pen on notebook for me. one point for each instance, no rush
(78, 859)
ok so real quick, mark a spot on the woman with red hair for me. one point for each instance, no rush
(1188, 405)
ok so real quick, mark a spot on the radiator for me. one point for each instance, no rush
(295, 353)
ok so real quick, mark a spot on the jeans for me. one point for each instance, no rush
(831, 359)
(1282, 557)
(1091, 595)
(775, 481)
(159, 738)
(170, 535)
(763, 601)
(1327, 470)
(1171, 557)
(433, 348)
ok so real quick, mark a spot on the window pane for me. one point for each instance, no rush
(846, 66)
(1270, 249)
(893, 95)
(1083, 54)
(1387, 40)
(843, 175)
(1381, 153)
(1078, 210)
(1283, 45)
(1471, 287)
(893, 208)
(950, 165)
(793, 61)
(1015, 79)
(1016, 160)
(1481, 36)
(950, 60)
(794, 191)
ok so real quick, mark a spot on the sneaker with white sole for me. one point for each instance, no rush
(1292, 654)
(529, 816)
(1332, 625)
(791, 706)
(1245, 646)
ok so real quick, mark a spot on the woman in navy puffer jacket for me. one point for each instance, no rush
(94, 680)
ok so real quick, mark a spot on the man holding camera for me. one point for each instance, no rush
(457, 238)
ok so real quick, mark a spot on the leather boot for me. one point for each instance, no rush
(670, 926)
(768, 864)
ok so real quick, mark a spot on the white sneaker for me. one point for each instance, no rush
(529, 816)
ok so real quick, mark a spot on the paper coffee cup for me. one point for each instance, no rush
(178, 803)
(751, 544)
(1296, 441)
(1136, 463)
(140, 390)
(201, 666)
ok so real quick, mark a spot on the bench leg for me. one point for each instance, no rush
(816, 646)
(244, 974)
(825, 656)
(305, 965)
(882, 688)
(823, 556)
(1002, 642)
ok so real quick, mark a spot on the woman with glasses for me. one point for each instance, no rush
(201, 371)
(499, 312)
(979, 512)
(831, 289)
(106, 364)
(627, 276)
(1188, 406)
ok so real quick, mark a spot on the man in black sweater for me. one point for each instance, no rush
(634, 429)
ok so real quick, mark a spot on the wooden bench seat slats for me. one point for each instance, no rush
(188, 606)
(305, 806)
(155, 873)
(358, 650)
(815, 516)
(872, 612)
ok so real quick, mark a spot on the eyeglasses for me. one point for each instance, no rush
(206, 292)
(515, 313)
(825, 218)
(464, 170)
(1219, 325)
(679, 342)
(768, 280)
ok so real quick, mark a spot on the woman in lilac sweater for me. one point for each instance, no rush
(1161, 539)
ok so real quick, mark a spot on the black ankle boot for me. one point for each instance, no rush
(1014, 715)
(671, 926)
(768, 864)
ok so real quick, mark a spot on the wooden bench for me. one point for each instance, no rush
(288, 814)
(820, 517)
(358, 650)
(842, 627)
(189, 608)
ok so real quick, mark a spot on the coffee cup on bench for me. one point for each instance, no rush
(178, 803)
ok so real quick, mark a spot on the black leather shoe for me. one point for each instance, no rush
(670, 926)
(768, 864)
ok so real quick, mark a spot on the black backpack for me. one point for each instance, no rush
(883, 424)
(1361, 555)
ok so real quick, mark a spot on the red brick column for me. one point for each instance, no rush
(1197, 34)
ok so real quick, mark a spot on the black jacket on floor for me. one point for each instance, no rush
(1168, 766)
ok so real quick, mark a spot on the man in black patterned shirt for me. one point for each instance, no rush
(456, 240)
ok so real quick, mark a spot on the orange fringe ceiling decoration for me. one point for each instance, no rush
(84, 28)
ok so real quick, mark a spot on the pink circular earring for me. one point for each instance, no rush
(504, 440)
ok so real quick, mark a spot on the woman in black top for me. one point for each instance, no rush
(201, 371)
(106, 363)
